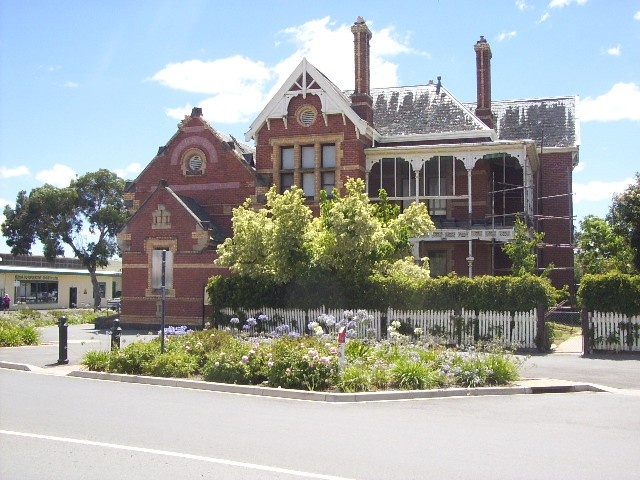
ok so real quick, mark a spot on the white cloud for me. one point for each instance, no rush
(71, 84)
(522, 5)
(545, 16)
(130, 170)
(636, 16)
(20, 171)
(238, 87)
(622, 102)
(507, 35)
(58, 176)
(579, 168)
(564, 3)
(596, 190)
(614, 51)
(231, 74)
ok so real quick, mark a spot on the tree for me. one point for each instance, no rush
(348, 239)
(521, 250)
(601, 249)
(271, 241)
(624, 216)
(92, 203)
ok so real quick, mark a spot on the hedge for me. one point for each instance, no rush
(484, 293)
(611, 292)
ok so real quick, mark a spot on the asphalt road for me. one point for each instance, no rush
(69, 428)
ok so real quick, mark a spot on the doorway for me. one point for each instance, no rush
(73, 297)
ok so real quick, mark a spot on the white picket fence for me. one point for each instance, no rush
(519, 329)
(615, 332)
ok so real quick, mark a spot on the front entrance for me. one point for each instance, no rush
(73, 297)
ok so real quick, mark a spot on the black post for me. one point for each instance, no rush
(62, 341)
(164, 293)
(116, 333)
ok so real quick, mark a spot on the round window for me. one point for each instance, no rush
(307, 116)
(195, 163)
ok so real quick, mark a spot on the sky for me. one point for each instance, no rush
(87, 84)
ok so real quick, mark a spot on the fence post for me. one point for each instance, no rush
(541, 334)
(586, 337)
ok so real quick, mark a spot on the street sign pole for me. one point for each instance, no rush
(164, 261)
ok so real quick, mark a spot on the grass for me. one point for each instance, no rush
(20, 327)
(561, 332)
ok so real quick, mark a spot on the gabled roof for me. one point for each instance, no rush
(424, 111)
(305, 80)
(243, 152)
(550, 122)
(190, 206)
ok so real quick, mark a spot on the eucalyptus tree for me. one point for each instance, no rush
(85, 216)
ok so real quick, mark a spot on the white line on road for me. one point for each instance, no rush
(153, 451)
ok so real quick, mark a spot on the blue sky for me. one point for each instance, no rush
(90, 84)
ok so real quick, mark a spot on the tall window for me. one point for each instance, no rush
(287, 168)
(434, 183)
(328, 166)
(312, 167)
(437, 262)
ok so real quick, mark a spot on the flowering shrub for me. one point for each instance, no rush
(305, 365)
(286, 360)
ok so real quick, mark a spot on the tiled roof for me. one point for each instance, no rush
(216, 232)
(550, 122)
(420, 110)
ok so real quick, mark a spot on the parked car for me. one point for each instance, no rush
(114, 303)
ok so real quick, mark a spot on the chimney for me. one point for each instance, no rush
(361, 100)
(196, 112)
(483, 78)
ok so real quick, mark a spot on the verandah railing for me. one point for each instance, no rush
(449, 327)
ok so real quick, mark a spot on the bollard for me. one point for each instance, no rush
(116, 333)
(62, 341)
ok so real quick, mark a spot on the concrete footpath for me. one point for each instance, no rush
(43, 359)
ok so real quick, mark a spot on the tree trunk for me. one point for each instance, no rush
(96, 289)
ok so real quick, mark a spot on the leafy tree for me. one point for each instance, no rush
(348, 239)
(57, 217)
(271, 241)
(624, 216)
(521, 250)
(600, 249)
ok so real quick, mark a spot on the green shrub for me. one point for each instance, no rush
(502, 369)
(412, 375)
(471, 372)
(97, 360)
(355, 378)
(13, 335)
(304, 364)
(175, 364)
(224, 368)
(133, 359)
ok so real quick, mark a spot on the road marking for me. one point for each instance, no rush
(166, 453)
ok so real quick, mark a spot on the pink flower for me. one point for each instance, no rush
(270, 364)
(245, 359)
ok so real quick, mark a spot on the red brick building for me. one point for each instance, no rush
(477, 167)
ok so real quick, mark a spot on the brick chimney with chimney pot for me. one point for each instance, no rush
(361, 100)
(483, 76)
